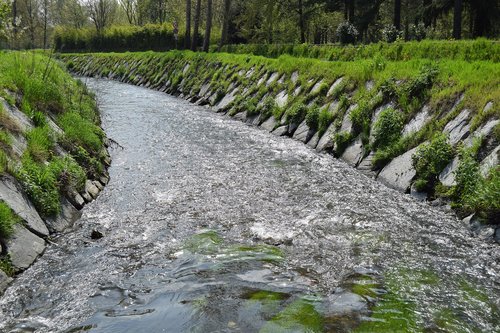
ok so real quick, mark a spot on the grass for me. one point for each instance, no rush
(7, 220)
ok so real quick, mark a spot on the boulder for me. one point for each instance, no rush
(365, 166)
(484, 131)
(91, 189)
(313, 143)
(315, 89)
(459, 128)
(345, 302)
(334, 86)
(65, 219)
(24, 247)
(418, 121)
(241, 116)
(272, 78)
(282, 99)
(269, 124)
(12, 194)
(4, 282)
(76, 200)
(354, 153)
(399, 173)
(326, 141)
(303, 132)
(490, 161)
(347, 123)
(281, 131)
(447, 176)
(228, 99)
(420, 196)
(295, 77)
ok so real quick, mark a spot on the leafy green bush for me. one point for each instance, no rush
(7, 220)
(269, 108)
(347, 33)
(342, 141)
(430, 159)
(296, 114)
(312, 117)
(324, 120)
(387, 129)
(250, 107)
(70, 176)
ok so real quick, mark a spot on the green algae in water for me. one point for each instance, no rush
(266, 253)
(299, 316)
(207, 242)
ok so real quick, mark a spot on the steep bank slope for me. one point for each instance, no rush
(52, 156)
(405, 123)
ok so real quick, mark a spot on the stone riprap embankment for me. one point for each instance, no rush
(330, 111)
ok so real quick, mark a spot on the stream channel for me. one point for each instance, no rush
(211, 225)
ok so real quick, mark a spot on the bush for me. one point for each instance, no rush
(387, 129)
(347, 33)
(70, 176)
(296, 114)
(342, 141)
(390, 34)
(268, 108)
(312, 118)
(7, 220)
(430, 159)
(324, 120)
(417, 32)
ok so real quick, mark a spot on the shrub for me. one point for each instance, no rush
(430, 159)
(417, 32)
(425, 79)
(70, 176)
(342, 141)
(390, 34)
(387, 129)
(296, 114)
(347, 33)
(324, 120)
(312, 117)
(7, 220)
(250, 107)
(268, 108)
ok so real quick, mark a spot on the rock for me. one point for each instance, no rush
(96, 234)
(98, 185)
(334, 86)
(375, 118)
(447, 176)
(65, 219)
(241, 116)
(282, 99)
(420, 196)
(370, 85)
(4, 281)
(186, 68)
(297, 91)
(418, 121)
(458, 129)
(483, 132)
(87, 197)
(345, 302)
(273, 78)
(497, 235)
(354, 153)
(104, 180)
(204, 90)
(399, 173)
(314, 141)
(280, 131)
(491, 161)
(347, 123)
(228, 99)
(269, 124)
(250, 72)
(76, 200)
(295, 77)
(365, 166)
(316, 87)
(12, 194)
(303, 132)
(24, 247)
(20, 118)
(91, 189)
(326, 141)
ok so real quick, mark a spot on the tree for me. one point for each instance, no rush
(187, 37)
(457, 19)
(196, 33)
(225, 24)
(208, 27)
(130, 9)
(101, 12)
(397, 14)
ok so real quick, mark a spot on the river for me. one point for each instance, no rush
(211, 225)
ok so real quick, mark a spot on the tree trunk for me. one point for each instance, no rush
(225, 25)
(351, 10)
(208, 28)
(14, 23)
(302, 23)
(187, 37)
(427, 13)
(397, 14)
(346, 10)
(196, 33)
(457, 20)
(45, 22)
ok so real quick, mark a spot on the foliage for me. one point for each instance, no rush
(296, 113)
(342, 141)
(430, 159)
(347, 33)
(417, 32)
(40, 143)
(312, 117)
(7, 220)
(390, 34)
(387, 129)
(81, 132)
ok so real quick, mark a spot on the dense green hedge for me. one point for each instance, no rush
(153, 37)
(481, 49)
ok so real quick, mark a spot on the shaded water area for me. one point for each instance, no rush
(211, 225)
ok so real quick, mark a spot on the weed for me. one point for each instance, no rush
(387, 129)
(7, 220)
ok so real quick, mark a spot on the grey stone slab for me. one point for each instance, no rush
(24, 247)
(418, 122)
(354, 153)
(458, 129)
(269, 124)
(313, 143)
(12, 194)
(399, 173)
(492, 160)
(65, 219)
(282, 99)
(447, 176)
(334, 86)
(326, 141)
(4, 282)
(281, 131)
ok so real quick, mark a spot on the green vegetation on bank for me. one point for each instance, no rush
(40, 88)
(471, 50)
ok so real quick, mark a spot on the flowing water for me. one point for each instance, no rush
(211, 225)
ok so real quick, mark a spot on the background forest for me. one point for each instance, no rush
(81, 24)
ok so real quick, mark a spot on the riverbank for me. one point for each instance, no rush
(53, 159)
(430, 129)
